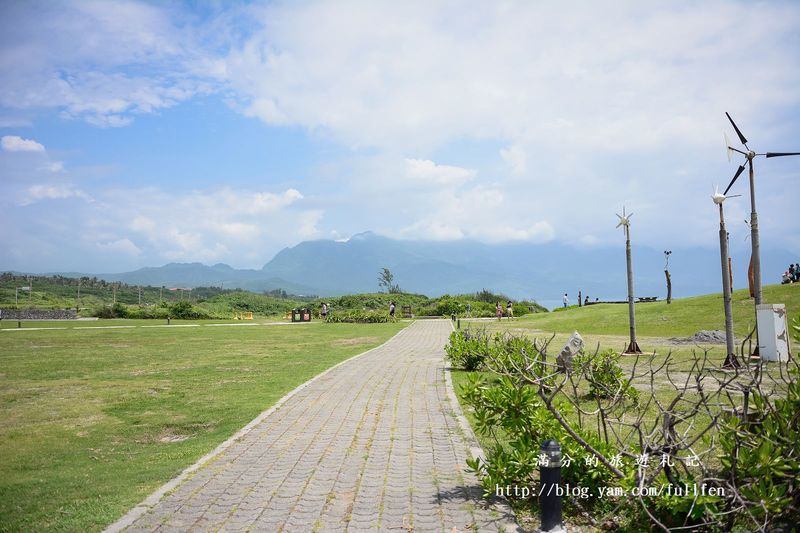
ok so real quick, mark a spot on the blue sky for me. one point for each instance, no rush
(138, 133)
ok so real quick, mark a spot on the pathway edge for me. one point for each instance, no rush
(145, 505)
(475, 449)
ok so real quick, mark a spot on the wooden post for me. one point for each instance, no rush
(730, 357)
(633, 347)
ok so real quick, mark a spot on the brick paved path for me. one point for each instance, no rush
(373, 444)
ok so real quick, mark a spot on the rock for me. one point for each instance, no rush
(573, 346)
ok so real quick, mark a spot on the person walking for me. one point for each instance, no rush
(324, 312)
(565, 299)
(391, 308)
(498, 310)
(509, 310)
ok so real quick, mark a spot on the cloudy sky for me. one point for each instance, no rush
(137, 133)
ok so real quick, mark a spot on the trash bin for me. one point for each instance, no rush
(296, 316)
(305, 315)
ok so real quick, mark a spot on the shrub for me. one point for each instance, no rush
(468, 349)
(185, 310)
(687, 431)
(361, 317)
(605, 376)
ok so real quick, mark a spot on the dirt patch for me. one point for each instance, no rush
(354, 341)
(173, 438)
(701, 337)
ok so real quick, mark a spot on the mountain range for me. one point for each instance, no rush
(543, 272)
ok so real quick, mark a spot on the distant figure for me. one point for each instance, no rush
(565, 300)
(796, 272)
(597, 300)
(391, 309)
(786, 278)
(469, 310)
(586, 301)
(324, 311)
(509, 310)
(498, 310)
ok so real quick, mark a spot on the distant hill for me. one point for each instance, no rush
(521, 270)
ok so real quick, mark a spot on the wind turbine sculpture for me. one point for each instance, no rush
(730, 357)
(625, 222)
(754, 242)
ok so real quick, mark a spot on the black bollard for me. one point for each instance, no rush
(458, 324)
(550, 479)
(19, 323)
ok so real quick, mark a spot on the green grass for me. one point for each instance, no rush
(92, 421)
(682, 318)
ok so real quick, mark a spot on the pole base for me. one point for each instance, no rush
(632, 349)
(731, 362)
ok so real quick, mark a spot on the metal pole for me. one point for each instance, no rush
(30, 291)
(78, 302)
(754, 239)
(550, 479)
(140, 295)
(16, 296)
(730, 356)
(634, 346)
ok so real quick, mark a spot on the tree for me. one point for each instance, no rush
(386, 281)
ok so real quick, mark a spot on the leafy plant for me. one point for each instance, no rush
(468, 349)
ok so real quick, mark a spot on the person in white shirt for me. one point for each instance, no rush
(566, 300)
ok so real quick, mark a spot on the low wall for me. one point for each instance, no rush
(39, 314)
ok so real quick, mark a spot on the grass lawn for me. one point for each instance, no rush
(683, 317)
(93, 420)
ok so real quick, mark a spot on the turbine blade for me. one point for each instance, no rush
(781, 154)
(727, 146)
(738, 173)
(739, 133)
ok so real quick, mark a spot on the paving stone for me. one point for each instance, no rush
(372, 444)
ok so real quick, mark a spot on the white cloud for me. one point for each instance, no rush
(123, 246)
(516, 158)
(595, 76)
(208, 224)
(426, 171)
(40, 192)
(13, 143)
(99, 61)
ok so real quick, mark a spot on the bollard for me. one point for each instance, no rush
(550, 480)
(19, 323)
(458, 324)
(168, 321)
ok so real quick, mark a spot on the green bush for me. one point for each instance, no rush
(761, 455)
(504, 407)
(605, 375)
(185, 310)
(468, 349)
(361, 317)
